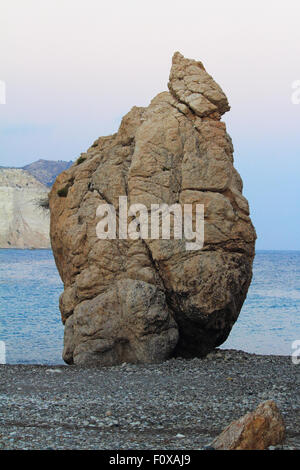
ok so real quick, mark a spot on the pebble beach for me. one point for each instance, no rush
(179, 404)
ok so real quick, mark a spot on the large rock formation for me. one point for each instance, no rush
(147, 299)
(24, 215)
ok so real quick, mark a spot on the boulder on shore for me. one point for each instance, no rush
(145, 300)
(257, 430)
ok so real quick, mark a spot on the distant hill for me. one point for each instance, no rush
(46, 171)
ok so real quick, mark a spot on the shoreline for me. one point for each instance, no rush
(143, 406)
(215, 351)
(260, 250)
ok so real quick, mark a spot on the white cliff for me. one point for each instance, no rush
(24, 222)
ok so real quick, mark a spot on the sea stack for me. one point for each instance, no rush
(146, 300)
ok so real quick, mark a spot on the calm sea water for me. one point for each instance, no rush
(30, 320)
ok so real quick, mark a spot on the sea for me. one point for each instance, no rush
(31, 331)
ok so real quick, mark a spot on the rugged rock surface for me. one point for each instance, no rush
(145, 300)
(258, 430)
(24, 216)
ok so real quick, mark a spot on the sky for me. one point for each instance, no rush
(73, 68)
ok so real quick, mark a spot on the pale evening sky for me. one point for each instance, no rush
(72, 68)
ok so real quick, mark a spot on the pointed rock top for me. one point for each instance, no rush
(189, 83)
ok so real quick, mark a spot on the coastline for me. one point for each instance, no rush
(178, 404)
